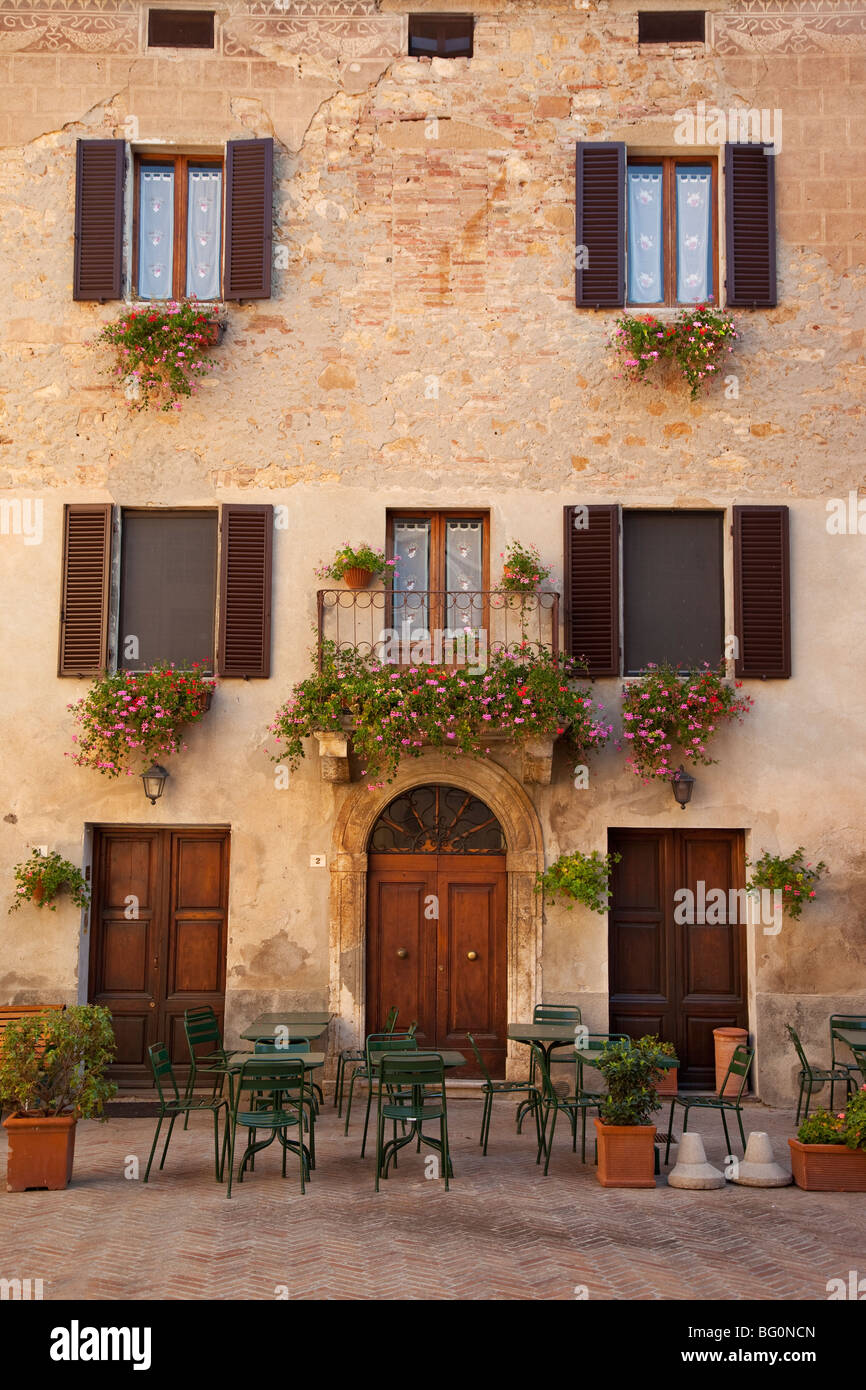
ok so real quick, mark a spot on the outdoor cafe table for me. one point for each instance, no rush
(549, 1036)
(291, 1027)
(855, 1038)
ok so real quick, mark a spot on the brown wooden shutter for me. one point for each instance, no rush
(84, 589)
(592, 589)
(762, 592)
(600, 225)
(750, 218)
(245, 591)
(249, 218)
(99, 173)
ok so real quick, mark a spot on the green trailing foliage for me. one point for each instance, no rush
(161, 351)
(582, 878)
(132, 718)
(696, 342)
(795, 879)
(46, 876)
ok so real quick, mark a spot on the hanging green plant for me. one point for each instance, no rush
(581, 878)
(796, 880)
(394, 713)
(40, 878)
(696, 342)
(350, 560)
(129, 719)
(662, 709)
(523, 570)
(161, 351)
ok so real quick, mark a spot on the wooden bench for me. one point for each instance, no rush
(14, 1013)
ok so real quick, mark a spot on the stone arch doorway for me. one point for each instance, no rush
(359, 812)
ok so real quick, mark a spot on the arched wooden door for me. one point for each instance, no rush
(436, 922)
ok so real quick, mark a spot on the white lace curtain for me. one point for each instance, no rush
(646, 270)
(203, 233)
(645, 249)
(156, 232)
(694, 224)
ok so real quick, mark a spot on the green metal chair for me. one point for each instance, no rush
(202, 1030)
(417, 1080)
(493, 1088)
(552, 1103)
(355, 1054)
(377, 1048)
(739, 1065)
(171, 1104)
(850, 1022)
(362, 1070)
(547, 1013)
(298, 1047)
(286, 1090)
(813, 1078)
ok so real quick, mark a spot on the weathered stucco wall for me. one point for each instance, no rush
(422, 347)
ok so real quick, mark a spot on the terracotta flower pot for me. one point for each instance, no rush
(828, 1167)
(212, 332)
(357, 578)
(38, 892)
(40, 1152)
(626, 1155)
(726, 1041)
(667, 1081)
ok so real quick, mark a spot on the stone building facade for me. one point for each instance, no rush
(421, 348)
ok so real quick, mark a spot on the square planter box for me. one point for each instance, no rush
(626, 1155)
(40, 1153)
(666, 1082)
(828, 1167)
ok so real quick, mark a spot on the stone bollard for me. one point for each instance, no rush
(758, 1168)
(692, 1168)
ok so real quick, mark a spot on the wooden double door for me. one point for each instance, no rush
(677, 978)
(436, 947)
(158, 937)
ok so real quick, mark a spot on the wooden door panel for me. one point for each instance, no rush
(472, 994)
(398, 901)
(159, 928)
(680, 979)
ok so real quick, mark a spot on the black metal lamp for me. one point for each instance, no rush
(154, 780)
(683, 784)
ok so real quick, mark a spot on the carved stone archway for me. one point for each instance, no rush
(348, 912)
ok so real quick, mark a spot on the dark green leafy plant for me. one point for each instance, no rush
(846, 1126)
(631, 1072)
(393, 713)
(522, 568)
(583, 878)
(796, 880)
(360, 557)
(41, 877)
(54, 1063)
(132, 718)
(161, 352)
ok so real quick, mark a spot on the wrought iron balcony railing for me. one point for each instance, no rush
(450, 627)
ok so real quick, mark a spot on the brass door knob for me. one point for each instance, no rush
(471, 955)
(402, 953)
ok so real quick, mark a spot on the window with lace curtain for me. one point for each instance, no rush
(178, 227)
(442, 568)
(672, 232)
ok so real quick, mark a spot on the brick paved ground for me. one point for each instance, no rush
(502, 1232)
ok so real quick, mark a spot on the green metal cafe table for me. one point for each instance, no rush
(855, 1038)
(450, 1058)
(290, 1026)
(547, 1036)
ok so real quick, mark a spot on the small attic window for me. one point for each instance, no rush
(671, 26)
(180, 29)
(440, 35)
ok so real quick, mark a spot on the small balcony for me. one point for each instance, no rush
(441, 627)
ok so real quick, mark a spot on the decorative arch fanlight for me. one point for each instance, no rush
(437, 820)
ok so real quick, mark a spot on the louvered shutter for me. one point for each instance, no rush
(750, 218)
(592, 588)
(600, 225)
(249, 218)
(99, 173)
(762, 592)
(245, 591)
(84, 589)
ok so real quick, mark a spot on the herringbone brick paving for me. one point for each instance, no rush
(502, 1232)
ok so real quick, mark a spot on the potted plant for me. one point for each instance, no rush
(161, 351)
(131, 718)
(794, 879)
(662, 708)
(40, 878)
(578, 877)
(52, 1073)
(829, 1153)
(626, 1137)
(522, 569)
(696, 343)
(667, 1078)
(356, 565)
